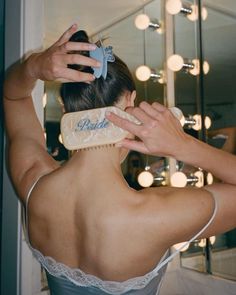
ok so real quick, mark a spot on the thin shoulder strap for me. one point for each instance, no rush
(169, 258)
(25, 211)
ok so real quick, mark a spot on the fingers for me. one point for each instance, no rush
(66, 36)
(123, 123)
(148, 109)
(159, 107)
(133, 145)
(69, 75)
(141, 115)
(80, 60)
(77, 46)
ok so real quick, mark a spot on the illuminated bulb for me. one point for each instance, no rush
(212, 240)
(175, 62)
(143, 73)
(176, 6)
(209, 178)
(142, 21)
(202, 243)
(145, 179)
(60, 139)
(206, 67)
(198, 122)
(204, 13)
(193, 16)
(196, 70)
(178, 179)
(207, 122)
(173, 6)
(44, 99)
(199, 182)
(179, 245)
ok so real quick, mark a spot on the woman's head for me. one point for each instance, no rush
(101, 92)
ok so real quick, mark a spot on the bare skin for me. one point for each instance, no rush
(83, 214)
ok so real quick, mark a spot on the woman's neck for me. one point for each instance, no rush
(98, 167)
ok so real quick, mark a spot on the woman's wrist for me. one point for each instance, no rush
(31, 67)
(189, 150)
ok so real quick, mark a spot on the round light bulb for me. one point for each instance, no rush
(198, 125)
(60, 138)
(179, 245)
(207, 122)
(173, 6)
(178, 179)
(212, 240)
(142, 21)
(193, 16)
(143, 73)
(175, 62)
(200, 176)
(145, 179)
(44, 99)
(161, 80)
(209, 178)
(206, 67)
(196, 70)
(202, 243)
(204, 13)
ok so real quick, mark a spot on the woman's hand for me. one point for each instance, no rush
(160, 132)
(51, 64)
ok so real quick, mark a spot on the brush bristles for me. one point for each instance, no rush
(93, 148)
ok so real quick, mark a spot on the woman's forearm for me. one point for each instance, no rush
(21, 79)
(199, 154)
(161, 134)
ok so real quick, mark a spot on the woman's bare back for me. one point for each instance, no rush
(114, 235)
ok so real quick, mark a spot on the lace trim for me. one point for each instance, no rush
(79, 278)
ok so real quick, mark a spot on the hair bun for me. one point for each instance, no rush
(80, 36)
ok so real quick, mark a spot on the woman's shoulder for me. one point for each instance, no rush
(182, 212)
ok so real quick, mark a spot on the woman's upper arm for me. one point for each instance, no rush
(225, 198)
(189, 210)
(27, 153)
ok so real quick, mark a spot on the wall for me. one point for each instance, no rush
(20, 273)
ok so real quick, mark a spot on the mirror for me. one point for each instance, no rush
(217, 254)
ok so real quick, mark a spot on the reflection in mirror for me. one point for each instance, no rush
(220, 104)
(217, 255)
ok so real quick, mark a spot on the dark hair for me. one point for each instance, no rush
(101, 92)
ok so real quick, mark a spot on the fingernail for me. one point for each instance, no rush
(108, 113)
(92, 46)
(73, 26)
(98, 64)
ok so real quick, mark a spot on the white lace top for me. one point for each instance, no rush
(77, 278)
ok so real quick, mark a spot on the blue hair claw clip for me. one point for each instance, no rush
(104, 55)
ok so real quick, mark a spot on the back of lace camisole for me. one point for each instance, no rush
(63, 280)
